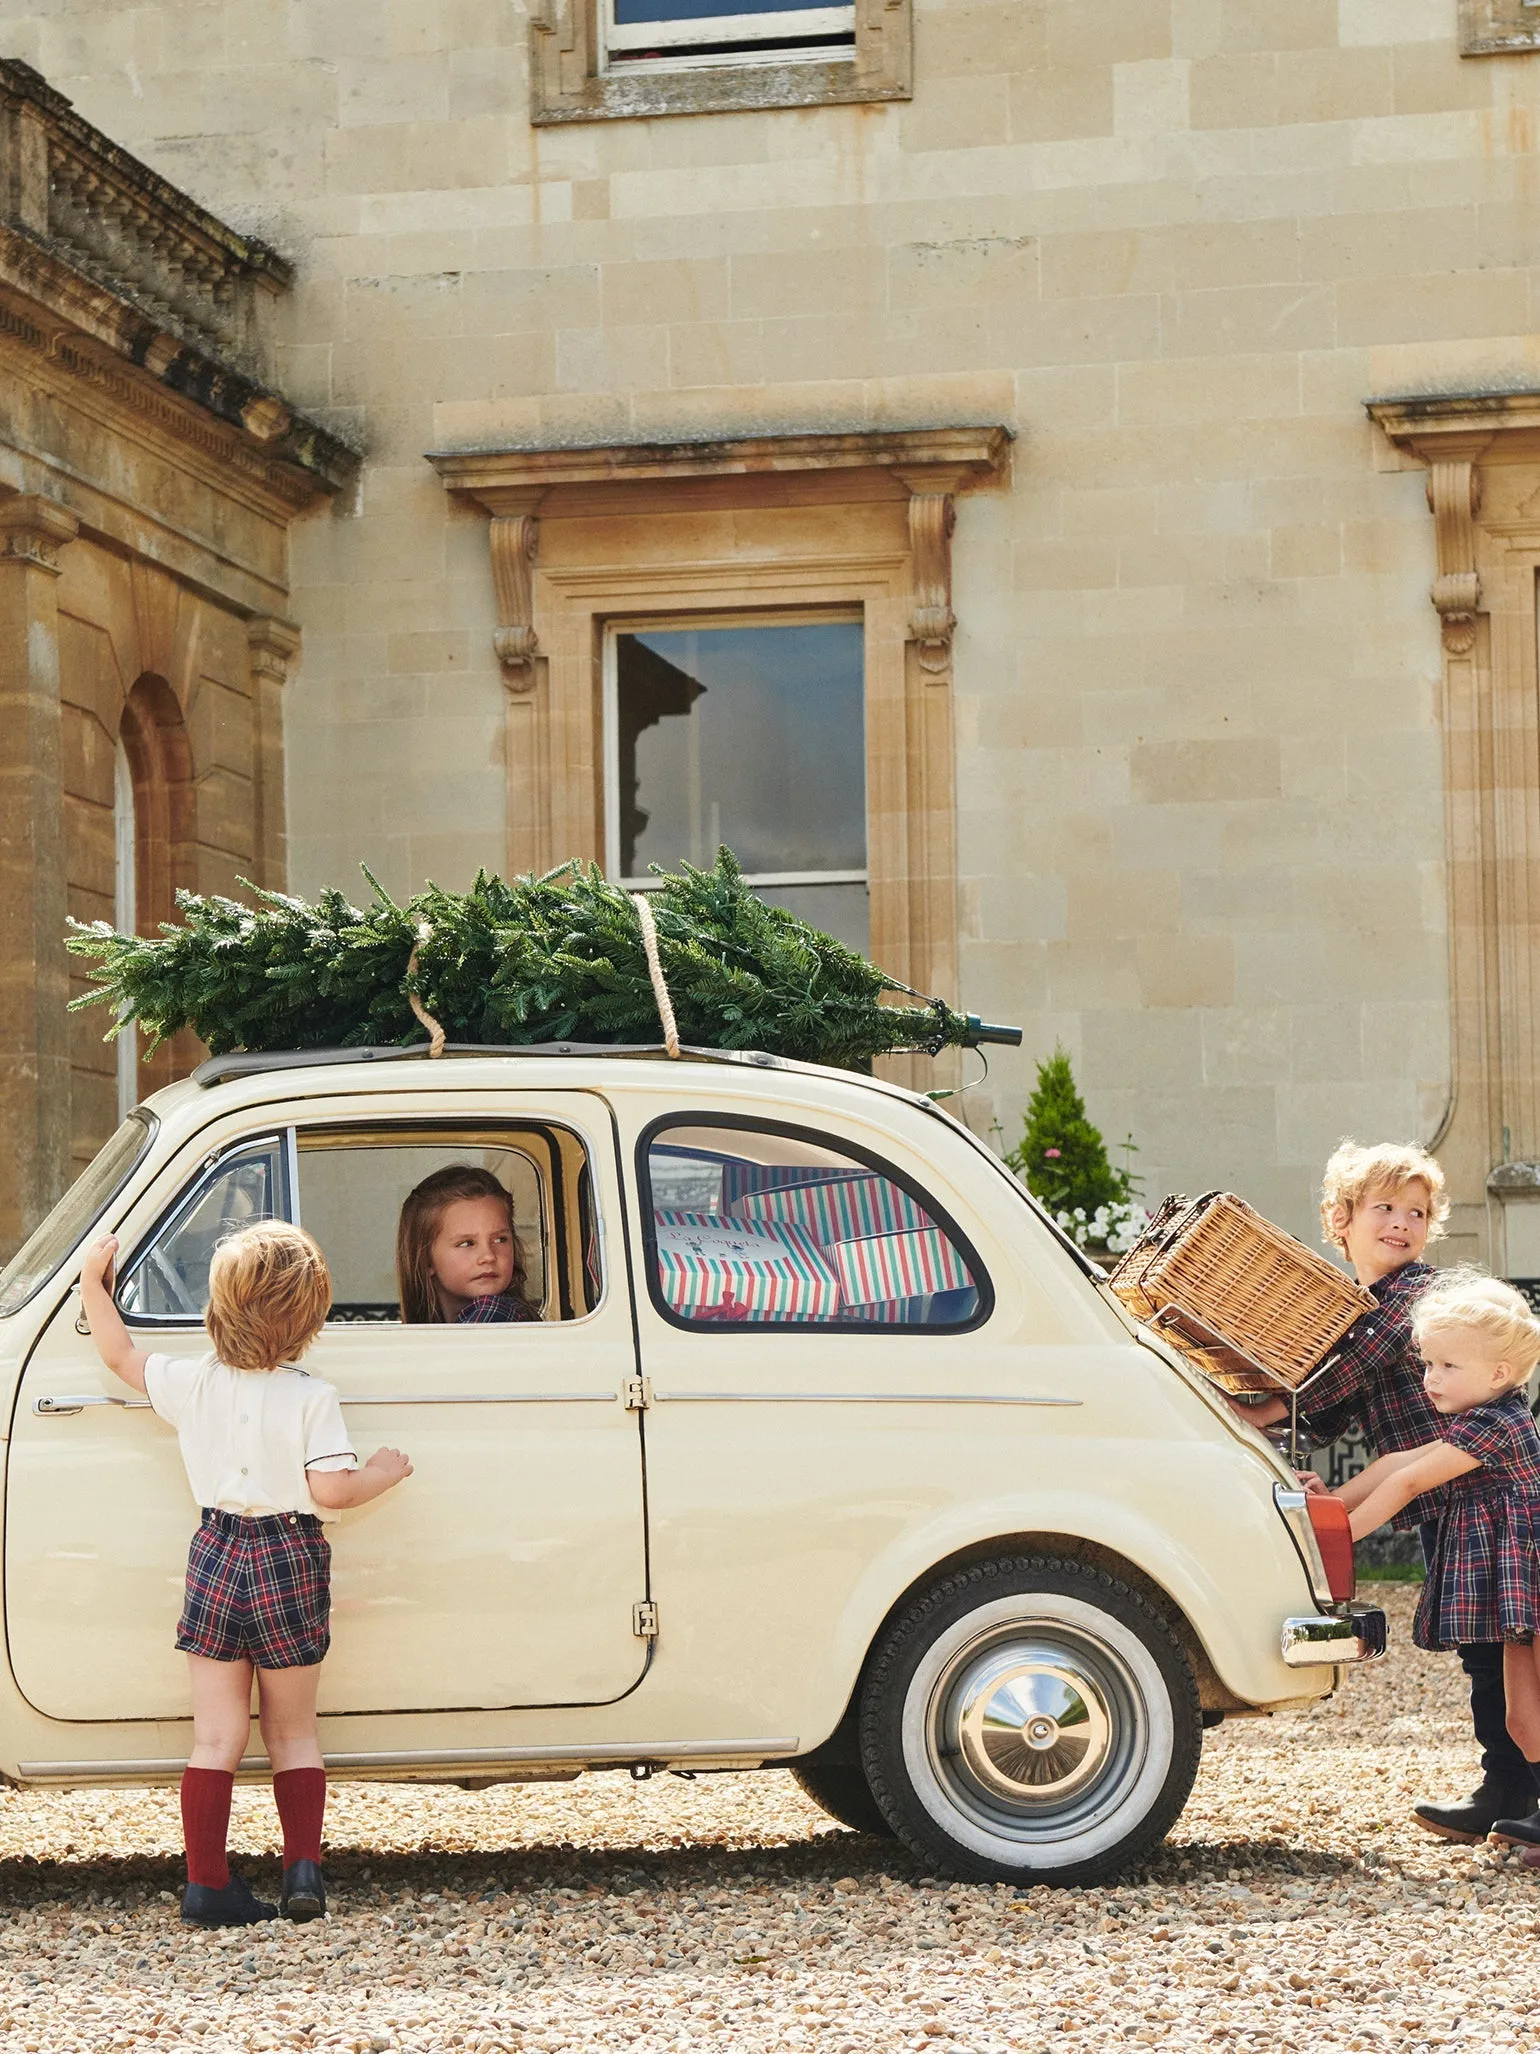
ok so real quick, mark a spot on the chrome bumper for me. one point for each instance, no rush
(1358, 1636)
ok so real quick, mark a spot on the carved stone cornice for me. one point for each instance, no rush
(33, 529)
(515, 543)
(501, 480)
(926, 467)
(126, 281)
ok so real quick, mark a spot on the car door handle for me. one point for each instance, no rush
(57, 1408)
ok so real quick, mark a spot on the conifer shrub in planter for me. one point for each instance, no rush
(1063, 1161)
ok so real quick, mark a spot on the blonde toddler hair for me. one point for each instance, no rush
(1464, 1298)
(269, 1294)
(1354, 1171)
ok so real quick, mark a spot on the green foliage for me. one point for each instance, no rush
(1061, 1157)
(518, 960)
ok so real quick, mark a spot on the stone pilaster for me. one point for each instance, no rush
(274, 644)
(34, 969)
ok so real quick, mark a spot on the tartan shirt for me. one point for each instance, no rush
(1374, 1381)
(497, 1308)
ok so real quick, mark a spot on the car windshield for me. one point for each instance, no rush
(84, 1202)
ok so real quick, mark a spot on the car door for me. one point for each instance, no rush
(504, 1572)
(839, 1350)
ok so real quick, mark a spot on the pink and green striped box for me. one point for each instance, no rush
(713, 1266)
(883, 1267)
(835, 1208)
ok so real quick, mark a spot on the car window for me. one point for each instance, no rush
(169, 1277)
(84, 1202)
(772, 1226)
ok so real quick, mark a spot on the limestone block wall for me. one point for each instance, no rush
(1174, 244)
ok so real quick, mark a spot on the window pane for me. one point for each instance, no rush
(750, 736)
(170, 1279)
(842, 910)
(771, 1230)
(352, 1189)
(86, 1199)
(627, 11)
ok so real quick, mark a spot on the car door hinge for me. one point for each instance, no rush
(638, 1393)
(644, 1620)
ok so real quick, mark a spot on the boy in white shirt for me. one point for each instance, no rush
(269, 1460)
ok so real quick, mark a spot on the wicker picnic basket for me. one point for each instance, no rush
(1245, 1302)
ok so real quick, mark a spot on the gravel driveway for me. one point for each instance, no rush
(1294, 1906)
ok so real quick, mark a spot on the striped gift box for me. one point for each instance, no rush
(888, 1266)
(715, 1267)
(835, 1208)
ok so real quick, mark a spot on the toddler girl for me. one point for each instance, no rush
(269, 1460)
(457, 1256)
(1479, 1342)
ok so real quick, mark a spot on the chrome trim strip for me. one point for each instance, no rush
(1315, 1641)
(598, 1755)
(849, 1398)
(1294, 1511)
(59, 1407)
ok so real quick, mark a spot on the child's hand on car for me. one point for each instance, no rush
(97, 1266)
(1309, 1482)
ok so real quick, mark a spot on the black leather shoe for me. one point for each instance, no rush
(304, 1891)
(1517, 1832)
(232, 1906)
(1474, 1820)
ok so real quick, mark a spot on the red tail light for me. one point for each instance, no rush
(1334, 1538)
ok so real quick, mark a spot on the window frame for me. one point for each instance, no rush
(609, 730)
(678, 42)
(839, 1143)
(572, 76)
(555, 1225)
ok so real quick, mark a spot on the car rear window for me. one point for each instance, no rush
(770, 1226)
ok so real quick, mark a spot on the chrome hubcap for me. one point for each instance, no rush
(1035, 1729)
(1030, 1728)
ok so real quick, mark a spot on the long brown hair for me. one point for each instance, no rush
(421, 1213)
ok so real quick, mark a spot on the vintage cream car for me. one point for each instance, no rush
(829, 1451)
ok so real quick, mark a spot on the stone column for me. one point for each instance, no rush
(34, 969)
(274, 644)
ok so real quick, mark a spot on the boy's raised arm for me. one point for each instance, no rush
(113, 1342)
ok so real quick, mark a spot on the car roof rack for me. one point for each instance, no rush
(245, 1063)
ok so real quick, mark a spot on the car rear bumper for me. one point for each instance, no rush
(1355, 1635)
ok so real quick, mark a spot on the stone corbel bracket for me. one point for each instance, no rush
(1454, 500)
(34, 528)
(515, 544)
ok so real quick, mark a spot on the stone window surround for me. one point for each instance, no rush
(1482, 456)
(857, 521)
(569, 83)
(1498, 28)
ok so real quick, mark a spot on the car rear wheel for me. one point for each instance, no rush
(843, 1792)
(1030, 1719)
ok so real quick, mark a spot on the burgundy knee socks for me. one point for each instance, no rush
(206, 1824)
(300, 1795)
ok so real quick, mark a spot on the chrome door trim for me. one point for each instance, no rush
(58, 1408)
(605, 1755)
(850, 1398)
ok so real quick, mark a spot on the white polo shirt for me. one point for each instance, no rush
(249, 1436)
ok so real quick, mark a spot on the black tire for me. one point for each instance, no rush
(1030, 1720)
(843, 1793)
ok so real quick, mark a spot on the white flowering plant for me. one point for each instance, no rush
(1115, 1227)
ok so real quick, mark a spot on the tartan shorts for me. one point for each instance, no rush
(258, 1590)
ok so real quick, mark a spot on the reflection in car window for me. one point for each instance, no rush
(86, 1199)
(766, 1228)
(170, 1278)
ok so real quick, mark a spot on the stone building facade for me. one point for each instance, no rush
(1154, 382)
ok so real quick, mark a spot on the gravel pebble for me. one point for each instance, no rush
(1294, 1906)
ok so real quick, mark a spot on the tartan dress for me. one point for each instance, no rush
(1483, 1582)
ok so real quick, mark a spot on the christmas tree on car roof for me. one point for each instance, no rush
(511, 962)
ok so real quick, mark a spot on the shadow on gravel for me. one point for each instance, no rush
(370, 1879)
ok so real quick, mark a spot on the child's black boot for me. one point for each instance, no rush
(1475, 1818)
(234, 1905)
(304, 1891)
(1523, 1831)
